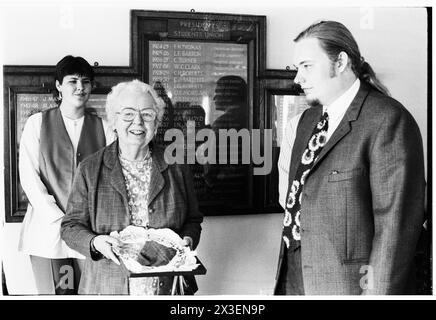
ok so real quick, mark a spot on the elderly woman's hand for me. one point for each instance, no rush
(103, 244)
(186, 242)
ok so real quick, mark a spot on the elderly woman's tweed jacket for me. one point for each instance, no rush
(98, 205)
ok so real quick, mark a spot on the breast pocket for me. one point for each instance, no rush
(336, 175)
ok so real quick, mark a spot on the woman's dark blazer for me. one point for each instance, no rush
(98, 204)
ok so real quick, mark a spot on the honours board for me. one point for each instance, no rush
(206, 83)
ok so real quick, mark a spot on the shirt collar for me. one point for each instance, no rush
(338, 107)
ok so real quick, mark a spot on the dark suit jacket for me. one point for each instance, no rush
(98, 205)
(363, 201)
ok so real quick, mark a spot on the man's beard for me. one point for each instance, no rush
(313, 102)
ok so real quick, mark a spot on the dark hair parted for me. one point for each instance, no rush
(70, 65)
(335, 38)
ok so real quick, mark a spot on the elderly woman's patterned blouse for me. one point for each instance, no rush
(137, 179)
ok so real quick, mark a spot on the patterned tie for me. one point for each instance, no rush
(291, 222)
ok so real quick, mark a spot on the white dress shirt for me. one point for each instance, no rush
(40, 232)
(74, 128)
(336, 112)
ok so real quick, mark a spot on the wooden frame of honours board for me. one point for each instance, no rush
(187, 53)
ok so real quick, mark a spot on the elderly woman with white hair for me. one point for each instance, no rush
(128, 183)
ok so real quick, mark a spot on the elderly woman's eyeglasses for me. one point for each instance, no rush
(130, 114)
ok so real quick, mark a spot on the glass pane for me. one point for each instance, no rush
(284, 108)
(205, 84)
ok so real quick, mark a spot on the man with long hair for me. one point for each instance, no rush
(351, 176)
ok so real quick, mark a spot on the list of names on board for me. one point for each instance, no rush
(206, 83)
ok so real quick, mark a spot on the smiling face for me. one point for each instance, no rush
(136, 133)
(316, 74)
(75, 90)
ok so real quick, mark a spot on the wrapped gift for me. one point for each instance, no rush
(153, 250)
(155, 260)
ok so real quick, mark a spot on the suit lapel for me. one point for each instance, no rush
(310, 118)
(345, 125)
(117, 181)
(307, 131)
(157, 181)
(341, 131)
(116, 175)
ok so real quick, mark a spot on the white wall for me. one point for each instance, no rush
(240, 252)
